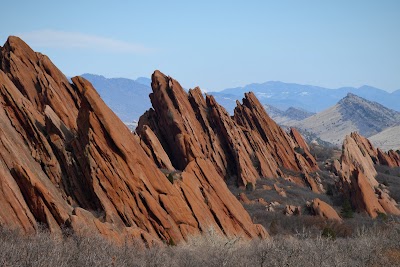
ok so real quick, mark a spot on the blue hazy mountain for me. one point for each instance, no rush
(129, 99)
(307, 97)
(144, 81)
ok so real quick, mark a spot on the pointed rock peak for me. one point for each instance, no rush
(84, 87)
(196, 92)
(211, 100)
(350, 95)
(251, 101)
(160, 81)
(82, 84)
(15, 43)
(294, 133)
(350, 98)
(158, 75)
(250, 96)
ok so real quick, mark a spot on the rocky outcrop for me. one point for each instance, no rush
(390, 158)
(243, 198)
(67, 160)
(323, 209)
(352, 113)
(149, 140)
(357, 177)
(292, 210)
(247, 146)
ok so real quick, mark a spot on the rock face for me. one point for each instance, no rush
(357, 176)
(248, 145)
(67, 160)
(324, 210)
(292, 210)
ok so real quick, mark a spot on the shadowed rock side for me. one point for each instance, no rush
(67, 160)
(248, 145)
(357, 176)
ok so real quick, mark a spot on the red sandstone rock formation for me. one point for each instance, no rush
(390, 158)
(357, 176)
(243, 198)
(66, 159)
(292, 210)
(324, 210)
(248, 145)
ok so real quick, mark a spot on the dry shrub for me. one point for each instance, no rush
(369, 246)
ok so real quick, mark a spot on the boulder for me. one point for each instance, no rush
(292, 210)
(323, 209)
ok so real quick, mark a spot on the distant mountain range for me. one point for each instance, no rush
(288, 117)
(344, 110)
(311, 98)
(129, 99)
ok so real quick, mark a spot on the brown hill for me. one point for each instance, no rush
(351, 114)
(67, 160)
(387, 139)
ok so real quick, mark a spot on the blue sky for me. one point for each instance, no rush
(217, 45)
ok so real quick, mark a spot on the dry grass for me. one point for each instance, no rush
(368, 247)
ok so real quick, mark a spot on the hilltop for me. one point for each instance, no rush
(350, 114)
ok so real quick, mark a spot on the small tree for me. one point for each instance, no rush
(249, 186)
(347, 210)
(328, 232)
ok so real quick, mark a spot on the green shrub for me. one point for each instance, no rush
(249, 186)
(299, 150)
(329, 190)
(328, 232)
(347, 210)
(171, 242)
(382, 216)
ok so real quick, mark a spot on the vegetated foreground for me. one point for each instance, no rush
(376, 246)
(105, 194)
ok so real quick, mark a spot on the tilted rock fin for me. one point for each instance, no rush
(246, 146)
(357, 174)
(67, 160)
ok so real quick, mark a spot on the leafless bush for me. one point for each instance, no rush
(369, 246)
(322, 153)
(389, 177)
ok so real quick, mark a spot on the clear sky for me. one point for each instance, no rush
(217, 44)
